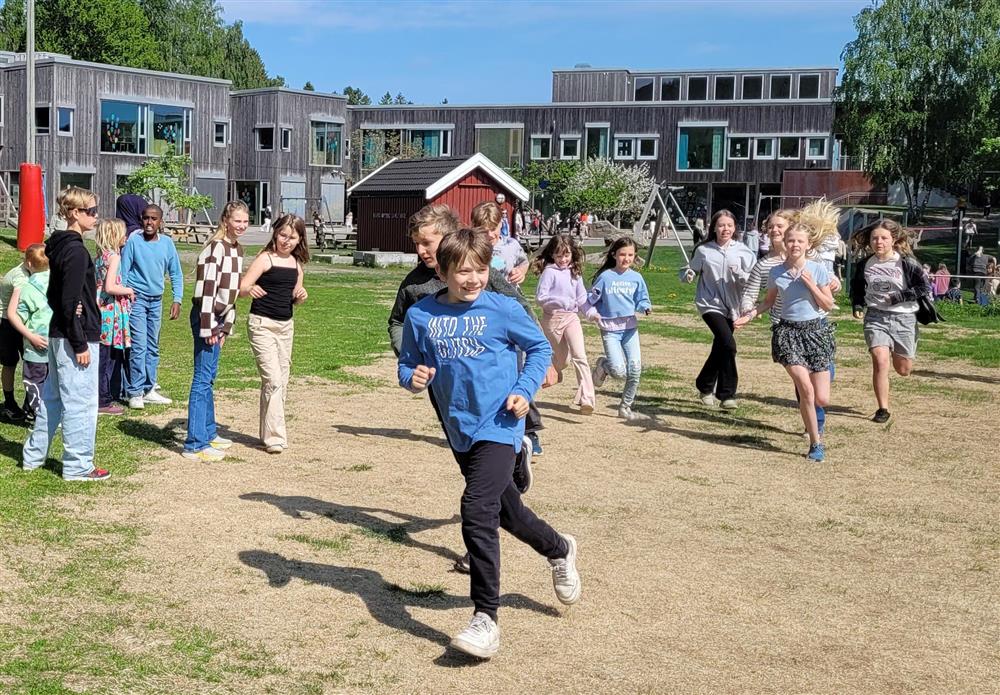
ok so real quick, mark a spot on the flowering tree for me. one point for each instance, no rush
(609, 189)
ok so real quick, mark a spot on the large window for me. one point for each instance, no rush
(541, 146)
(781, 86)
(168, 128)
(569, 147)
(123, 127)
(816, 148)
(75, 179)
(753, 87)
(739, 148)
(65, 121)
(326, 145)
(788, 148)
(42, 120)
(502, 144)
(598, 135)
(701, 148)
(265, 138)
(725, 88)
(427, 142)
(763, 148)
(644, 89)
(808, 86)
(697, 88)
(670, 88)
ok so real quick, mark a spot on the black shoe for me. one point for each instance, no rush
(462, 564)
(881, 415)
(12, 413)
(522, 467)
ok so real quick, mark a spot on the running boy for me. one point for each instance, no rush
(461, 342)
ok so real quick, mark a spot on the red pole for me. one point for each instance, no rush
(31, 209)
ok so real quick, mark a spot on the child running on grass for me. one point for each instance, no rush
(562, 296)
(461, 342)
(29, 313)
(617, 295)
(114, 301)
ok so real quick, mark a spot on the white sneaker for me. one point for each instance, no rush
(157, 398)
(480, 639)
(729, 404)
(600, 373)
(625, 413)
(565, 578)
(220, 443)
(707, 398)
(208, 454)
(274, 449)
(136, 403)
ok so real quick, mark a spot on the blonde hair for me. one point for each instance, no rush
(36, 259)
(786, 214)
(486, 215)
(109, 234)
(74, 198)
(819, 220)
(227, 212)
(441, 217)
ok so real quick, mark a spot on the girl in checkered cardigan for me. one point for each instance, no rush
(212, 313)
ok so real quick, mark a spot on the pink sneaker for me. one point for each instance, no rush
(113, 409)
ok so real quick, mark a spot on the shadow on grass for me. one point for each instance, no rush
(689, 409)
(171, 435)
(385, 603)
(364, 518)
(979, 378)
(794, 405)
(391, 433)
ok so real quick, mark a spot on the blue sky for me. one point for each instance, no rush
(476, 52)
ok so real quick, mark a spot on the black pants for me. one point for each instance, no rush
(34, 375)
(719, 373)
(112, 366)
(491, 502)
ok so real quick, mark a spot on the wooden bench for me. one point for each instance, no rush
(189, 233)
(336, 237)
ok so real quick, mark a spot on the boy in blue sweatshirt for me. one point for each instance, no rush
(462, 343)
(146, 258)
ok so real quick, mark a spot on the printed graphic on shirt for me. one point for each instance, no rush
(498, 263)
(882, 280)
(620, 287)
(455, 337)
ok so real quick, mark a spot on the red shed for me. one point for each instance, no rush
(387, 197)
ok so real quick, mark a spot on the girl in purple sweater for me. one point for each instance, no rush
(561, 294)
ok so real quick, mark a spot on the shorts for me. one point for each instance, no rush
(808, 344)
(11, 344)
(896, 331)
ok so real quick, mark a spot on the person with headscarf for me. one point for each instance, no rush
(128, 208)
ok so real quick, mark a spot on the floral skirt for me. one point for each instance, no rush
(809, 344)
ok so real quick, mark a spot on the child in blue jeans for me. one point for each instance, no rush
(617, 295)
(462, 343)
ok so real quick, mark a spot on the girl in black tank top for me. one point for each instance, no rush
(274, 280)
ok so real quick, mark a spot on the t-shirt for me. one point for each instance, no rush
(507, 255)
(797, 302)
(15, 277)
(35, 312)
(882, 278)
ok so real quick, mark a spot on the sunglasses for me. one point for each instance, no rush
(89, 211)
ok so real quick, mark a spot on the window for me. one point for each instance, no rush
(808, 86)
(725, 88)
(64, 121)
(541, 146)
(624, 148)
(169, 131)
(569, 147)
(697, 88)
(326, 141)
(670, 88)
(753, 87)
(221, 136)
(1, 109)
(123, 127)
(427, 143)
(286, 139)
(265, 138)
(598, 135)
(764, 148)
(644, 89)
(42, 124)
(816, 148)
(701, 148)
(647, 148)
(739, 148)
(74, 179)
(502, 144)
(788, 148)
(445, 143)
(781, 86)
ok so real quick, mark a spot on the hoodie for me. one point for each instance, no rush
(72, 284)
(128, 208)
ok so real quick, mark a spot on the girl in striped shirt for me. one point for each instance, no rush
(212, 313)
(774, 227)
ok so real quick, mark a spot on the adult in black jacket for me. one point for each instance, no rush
(70, 392)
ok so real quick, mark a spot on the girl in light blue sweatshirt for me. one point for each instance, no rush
(617, 295)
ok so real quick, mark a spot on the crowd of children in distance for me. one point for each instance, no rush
(461, 328)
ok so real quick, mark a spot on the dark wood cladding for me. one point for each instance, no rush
(382, 220)
(813, 183)
(585, 85)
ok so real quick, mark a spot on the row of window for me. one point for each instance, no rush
(752, 87)
(702, 148)
(626, 147)
(325, 140)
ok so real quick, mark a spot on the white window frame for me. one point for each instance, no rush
(770, 85)
(697, 77)
(283, 130)
(729, 150)
(72, 121)
(798, 85)
(187, 120)
(680, 87)
(774, 148)
(798, 149)
(743, 92)
(2, 103)
(226, 126)
(562, 146)
(715, 96)
(256, 137)
(531, 147)
(703, 124)
(652, 79)
(656, 147)
(629, 139)
(826, 148)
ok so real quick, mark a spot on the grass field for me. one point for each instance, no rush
(95, 597)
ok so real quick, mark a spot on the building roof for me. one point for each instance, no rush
(433, 176)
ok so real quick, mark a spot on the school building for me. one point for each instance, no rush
(727, 137)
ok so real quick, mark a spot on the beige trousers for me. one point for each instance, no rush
(271, 342)
(565, 335)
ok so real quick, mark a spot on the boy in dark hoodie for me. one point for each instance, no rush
(69, 395)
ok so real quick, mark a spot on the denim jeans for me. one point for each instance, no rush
(624, 360)
(144, 360)
(69, 396)
(201, 402)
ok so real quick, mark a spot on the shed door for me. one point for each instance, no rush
(293, 197)
(332, 193)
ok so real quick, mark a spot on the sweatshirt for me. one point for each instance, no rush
(72, 284)
(423, 281)
(893, 286)
(216, 287)
(473, 348)
(144, 263)
(558, 290)
(615, 299)
(34, 310)
(724, 270)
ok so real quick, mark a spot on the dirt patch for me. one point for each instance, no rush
(714, 557)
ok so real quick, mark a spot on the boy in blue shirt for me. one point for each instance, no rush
(146, 258)
(462, 343)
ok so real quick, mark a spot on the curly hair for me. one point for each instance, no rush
(559, 244)
(861, 240)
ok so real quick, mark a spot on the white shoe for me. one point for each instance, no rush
(136, 402)
(208, 454)
(626, 413)
(600, 373)
(707, 398)
(274, 449)
(157, 398)
(565, 578)
(481, 639)
(729, 404)
(220, 443)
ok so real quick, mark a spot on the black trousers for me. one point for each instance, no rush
(719, 373)
(110, 375)
(491, 502)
